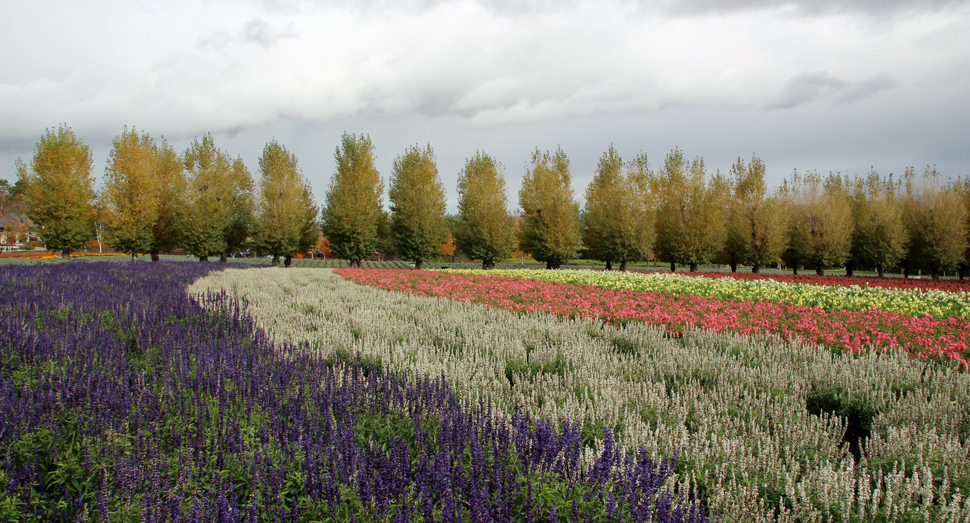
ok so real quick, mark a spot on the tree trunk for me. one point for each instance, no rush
(609, 265)
(962, 271)
(276, 259)
(418, 264)
(623, 266)
(755, 269)
(155, 257)
(673, 267)
(203, 259)
(488, 264)
(935, 274)
(879, 271)
(734, 265)
(794, 270)
(819, 270)
(693, 267)
(848, 269)
(288, 260)
(552, 266)
(134, 257)
(66, 255)
(223, 258)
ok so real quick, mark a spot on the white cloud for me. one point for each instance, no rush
(183, 68)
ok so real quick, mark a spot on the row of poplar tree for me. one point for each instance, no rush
(206, 202)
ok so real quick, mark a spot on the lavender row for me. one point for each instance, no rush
(121, 398)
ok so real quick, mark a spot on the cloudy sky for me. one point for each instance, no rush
(827, 85)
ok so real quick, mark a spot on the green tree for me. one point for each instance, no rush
(170, 173)
(384, 245)
(879, 236)
(131, 192)
(353, 202)
(617, 226)
(208, 196)
(242, 210)
(935, 219)
(286, 214)
(58, 190)
(757, 221)
(964, 189)
(550, 230)
(821, 224)
(417, 196)
(484, 229)
(691, 215)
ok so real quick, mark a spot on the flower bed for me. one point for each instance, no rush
(915, 283)
(764, 429)
(914, 302)
(923, 337)
(122, 399)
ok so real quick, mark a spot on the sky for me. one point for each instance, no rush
(827, 85)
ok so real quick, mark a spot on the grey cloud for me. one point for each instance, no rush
(811, 87)
(676, 7)
(866, 89)
(261, 33)
(799, 7)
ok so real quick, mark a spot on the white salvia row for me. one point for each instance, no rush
(734, 408)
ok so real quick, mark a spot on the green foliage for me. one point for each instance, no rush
(691, 216)
(58, 190)
(353, 201)
(170, 175)
(550, 230)
(559, 366)
(418, 228)
(206, 211)
(484, 230)
(757, 222)
(131, 192)
(820, 230)
(286, 217)
(618, 217)
(879, 235)
(241, 209)
(935, 219)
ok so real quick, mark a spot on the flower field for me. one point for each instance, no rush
(763, 428)
(843, 281)
(124, 399)
(590, 295)
(940, 302)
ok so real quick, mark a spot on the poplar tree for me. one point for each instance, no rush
(879, 236)
(58, 190)
(617, 226)
(208, 196)
(691, 215)
(131, 192)
(550, 230)
(417, 196)
(286, 212)
(821, 224)
(484, 229)
(935, 219)
(170, 174)
(353, 201)
(242, 210)
(757, 221)
(964, 190)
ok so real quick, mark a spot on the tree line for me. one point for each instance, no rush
(203, 200)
